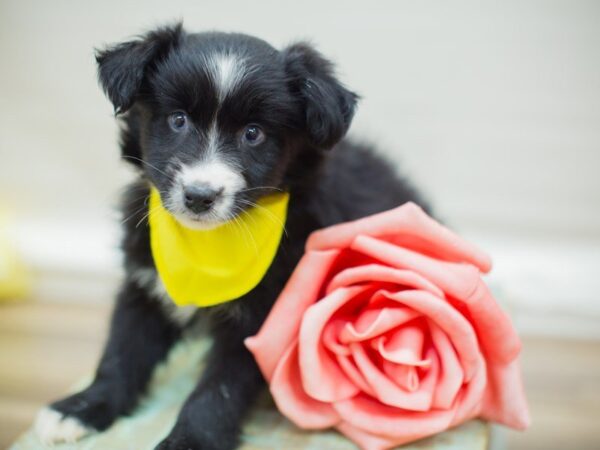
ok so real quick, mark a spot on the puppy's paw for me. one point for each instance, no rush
(53, 427)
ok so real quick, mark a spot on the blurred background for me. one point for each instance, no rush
(492, 108)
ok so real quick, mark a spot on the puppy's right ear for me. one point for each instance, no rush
(328, 105)
(122, 67)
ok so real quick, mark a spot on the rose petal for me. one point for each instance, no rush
(458, 329)
(321, 376)
(505, 400)
(498, 338)
(281, 327)
(330, 337)
(386, 390)
(292, 401)
(403, 346)
(352, 372)
(457, 279)
(451, 375)
(371, 273)
(410, 223)
(469, 400)
(407, 377)
(373, 417)
(374, 322)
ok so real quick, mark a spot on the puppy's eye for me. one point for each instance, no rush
(253, 135)
(178, 121)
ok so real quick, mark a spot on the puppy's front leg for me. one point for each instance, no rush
(140, 337)
(211, 417)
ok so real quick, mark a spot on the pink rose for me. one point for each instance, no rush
(387, 332)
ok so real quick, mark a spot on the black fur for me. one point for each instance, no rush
(328, 106)
(121, 69)
(305, 111)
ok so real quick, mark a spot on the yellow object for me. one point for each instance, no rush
(14, 279)
(208, 267)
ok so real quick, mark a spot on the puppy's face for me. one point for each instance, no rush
(215, 127)
(218, 120)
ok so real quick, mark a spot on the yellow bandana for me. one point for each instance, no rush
(208, 267)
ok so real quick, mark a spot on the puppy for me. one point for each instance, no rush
(215, 121)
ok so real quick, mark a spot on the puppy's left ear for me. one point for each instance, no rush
(328, 105)
(122, 67)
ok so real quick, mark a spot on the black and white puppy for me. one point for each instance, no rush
(214, 121)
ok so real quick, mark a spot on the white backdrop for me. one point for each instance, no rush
(493, 108)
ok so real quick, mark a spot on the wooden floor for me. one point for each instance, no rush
(45, 347)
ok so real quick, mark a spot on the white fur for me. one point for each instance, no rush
(149, 280)
(216, 173)
(53, 427)
(227, 70)
(213, 141)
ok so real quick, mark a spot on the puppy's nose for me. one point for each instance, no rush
(200, 198)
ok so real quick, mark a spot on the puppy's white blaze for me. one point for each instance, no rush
(53, 427)
(212, 138)
(149, 280)
(227, 71)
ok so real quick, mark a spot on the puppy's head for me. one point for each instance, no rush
(217, 120)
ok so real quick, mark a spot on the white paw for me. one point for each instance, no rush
(53, 427)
